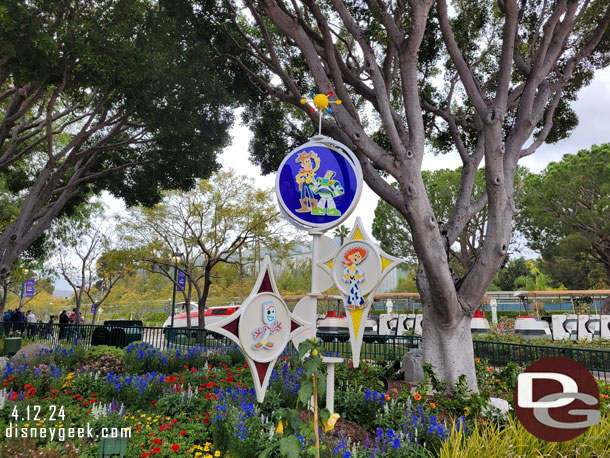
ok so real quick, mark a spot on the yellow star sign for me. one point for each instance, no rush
(357, 269)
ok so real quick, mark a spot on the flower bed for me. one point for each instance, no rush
(201, 403)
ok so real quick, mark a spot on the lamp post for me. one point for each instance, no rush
(25, 271)
(176, 258)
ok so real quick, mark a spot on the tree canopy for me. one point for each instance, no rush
(124, 96)
(200, 230)
(566, 211)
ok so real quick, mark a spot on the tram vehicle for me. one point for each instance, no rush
(212, 315)
(589, 325)
(334, 321)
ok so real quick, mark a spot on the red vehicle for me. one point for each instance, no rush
(212, 315)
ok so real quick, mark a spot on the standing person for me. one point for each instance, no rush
(18, 318)
(63, 321)
(30, 318)
(72, 316)
(50, 326)
(6, 318)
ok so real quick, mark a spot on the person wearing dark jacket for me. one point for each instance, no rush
(63, 321)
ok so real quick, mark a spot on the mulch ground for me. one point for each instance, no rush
(343, 428)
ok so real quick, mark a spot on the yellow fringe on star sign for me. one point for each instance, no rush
(356, 316)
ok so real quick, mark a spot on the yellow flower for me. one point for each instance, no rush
(26, 425)
(216, 453)
(466, 411)
(330, 424)
(280, 427)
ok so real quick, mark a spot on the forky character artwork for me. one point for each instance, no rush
(271, 325)
(353, 275)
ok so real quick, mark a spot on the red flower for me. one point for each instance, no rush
(175, 447)
(162, 428)
(182, 433)
(93, 395)
(230, 379)
(144, 455)
(151, 434)
(157, 441)
(174, 421)
(55, 391)
(86, 404)
(154, 403)
(155, 450)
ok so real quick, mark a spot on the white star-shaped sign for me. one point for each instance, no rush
(261, 328)
(357, 269)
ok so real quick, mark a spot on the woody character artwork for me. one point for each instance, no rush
(353, 275)
(270, 325)
(310, 163)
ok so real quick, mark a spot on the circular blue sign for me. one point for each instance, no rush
(318, 186)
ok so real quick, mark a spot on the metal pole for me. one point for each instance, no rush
(174, 294)
(21, 295)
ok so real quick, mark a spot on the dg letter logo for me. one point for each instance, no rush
(557, 399)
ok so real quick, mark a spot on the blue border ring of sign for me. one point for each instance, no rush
(348, 156)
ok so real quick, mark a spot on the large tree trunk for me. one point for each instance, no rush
(440, 341)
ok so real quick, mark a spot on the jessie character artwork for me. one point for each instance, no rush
(353, 275)
(270, 325)
(310, 163)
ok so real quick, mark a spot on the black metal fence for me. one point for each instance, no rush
(374, 347)
(498, 353)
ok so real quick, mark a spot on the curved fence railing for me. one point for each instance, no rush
(375, 347)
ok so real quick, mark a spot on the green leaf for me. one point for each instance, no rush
(305, 347)
(267, 452)
(306, 391)
(311, 365)
(325, 414)
(290, 447)
(321, 384)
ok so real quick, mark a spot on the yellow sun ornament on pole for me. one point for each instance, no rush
(322, 103)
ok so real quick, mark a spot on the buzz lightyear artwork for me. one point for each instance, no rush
(327, 189)
(270, 325)
(354, 276)
(310, 163)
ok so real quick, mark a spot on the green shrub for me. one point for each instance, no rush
(99, 350)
